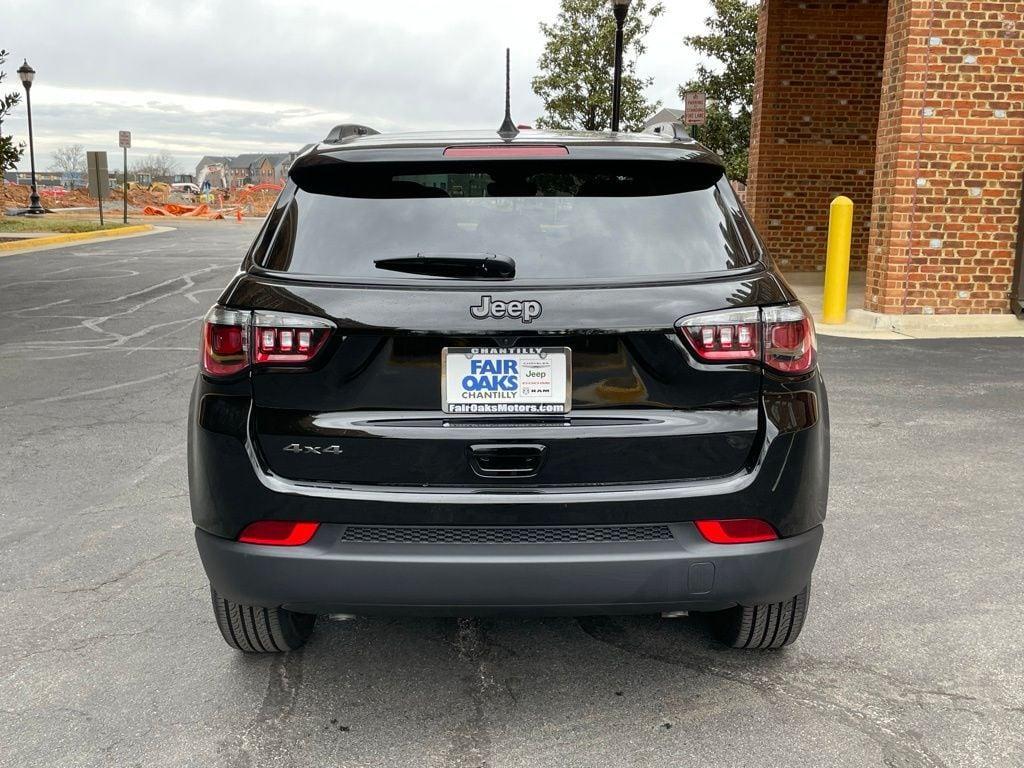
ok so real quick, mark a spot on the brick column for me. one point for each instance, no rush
(950, 158)
(817, 87)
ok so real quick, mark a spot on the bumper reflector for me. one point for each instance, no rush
(742, 531)
(279, 533)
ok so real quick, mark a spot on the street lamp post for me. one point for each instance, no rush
(27, 74)
(620, 8)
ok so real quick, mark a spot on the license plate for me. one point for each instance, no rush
(516, 380)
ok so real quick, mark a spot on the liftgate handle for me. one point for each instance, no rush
(506, 459)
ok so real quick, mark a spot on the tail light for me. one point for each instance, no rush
(789, 343)
(741, 531)
(287, 339)
(782, 337)
(731, 335)
(225, 342)
(279, 533)
(233, 340)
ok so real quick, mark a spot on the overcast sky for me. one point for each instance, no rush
(200, 78)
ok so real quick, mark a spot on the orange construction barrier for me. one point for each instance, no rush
(173, 209)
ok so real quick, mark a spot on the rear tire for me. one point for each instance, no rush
(255, 629)
(768, 625)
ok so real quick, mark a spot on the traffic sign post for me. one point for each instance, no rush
(695, 110)
(124, 140)
(99, 180)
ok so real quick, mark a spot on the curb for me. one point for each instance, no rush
(865, 324)
(861, 323)
(918, 323)
(69, 237)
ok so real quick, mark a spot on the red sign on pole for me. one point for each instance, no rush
(124, 139)
(695, 108)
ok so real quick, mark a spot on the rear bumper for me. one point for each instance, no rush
(785, 483)
(334, 575)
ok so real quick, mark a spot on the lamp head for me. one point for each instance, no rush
(620, 8)
(27, 74)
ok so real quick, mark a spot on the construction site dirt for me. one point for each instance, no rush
(160, 200)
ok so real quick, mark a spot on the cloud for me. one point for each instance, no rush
(233, 77)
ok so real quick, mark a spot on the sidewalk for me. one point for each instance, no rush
(862, 324)
(15, 243)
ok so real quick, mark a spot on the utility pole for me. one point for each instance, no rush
(620, 8)
(124, 138)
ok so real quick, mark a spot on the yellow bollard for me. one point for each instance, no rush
(837, 260)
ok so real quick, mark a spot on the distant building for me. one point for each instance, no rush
(666, 115)
(279, 165)
(243, 169)
(264, 171)
(43, 178)
(74, 179)
(224, 172)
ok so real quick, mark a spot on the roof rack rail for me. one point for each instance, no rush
(347, 130)
(677, 131)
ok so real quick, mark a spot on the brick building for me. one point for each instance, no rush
(913, 109)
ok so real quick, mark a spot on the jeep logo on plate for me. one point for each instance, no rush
(527, 310)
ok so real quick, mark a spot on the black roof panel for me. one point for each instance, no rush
(429, 146)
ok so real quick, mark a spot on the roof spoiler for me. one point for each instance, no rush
(347, 130)
(675, 131)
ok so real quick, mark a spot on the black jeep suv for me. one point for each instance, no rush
(556, 373)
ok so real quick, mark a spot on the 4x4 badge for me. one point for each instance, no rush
(319, 450)
(527, 311)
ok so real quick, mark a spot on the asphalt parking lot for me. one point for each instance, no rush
(912, 655)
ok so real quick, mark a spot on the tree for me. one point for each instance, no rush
(731, 41)
(10, 153)
(577, 66)
(69, 158)
(159, 164)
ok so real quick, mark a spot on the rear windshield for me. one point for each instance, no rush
(557, 221)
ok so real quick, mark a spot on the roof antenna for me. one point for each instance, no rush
(508, 130)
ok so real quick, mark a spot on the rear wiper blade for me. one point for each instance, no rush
(467, 265)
